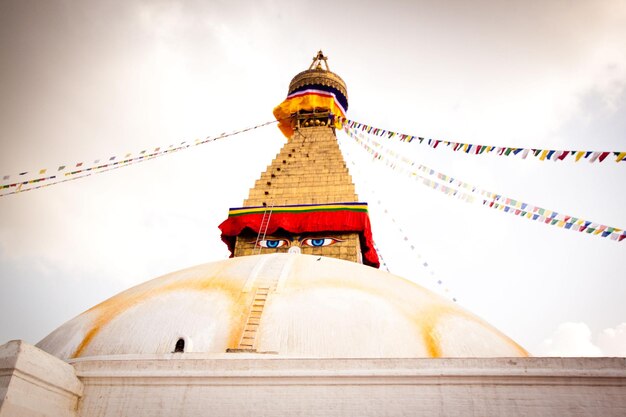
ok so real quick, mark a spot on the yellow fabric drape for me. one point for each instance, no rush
(307, 102)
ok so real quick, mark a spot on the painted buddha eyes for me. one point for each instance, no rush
(317, 242)
(272, 243)
(314, 242)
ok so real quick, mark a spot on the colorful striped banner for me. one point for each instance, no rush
(300, 208)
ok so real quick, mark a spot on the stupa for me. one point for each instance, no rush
(300, 320)
(303, 280)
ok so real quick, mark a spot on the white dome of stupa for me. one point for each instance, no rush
(290, 305)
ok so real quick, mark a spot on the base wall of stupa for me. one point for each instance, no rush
(196, 384)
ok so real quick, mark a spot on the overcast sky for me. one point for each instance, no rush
(85, 80)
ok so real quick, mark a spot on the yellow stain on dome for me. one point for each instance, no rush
(425, 313)
(114, 306)
(425, 318)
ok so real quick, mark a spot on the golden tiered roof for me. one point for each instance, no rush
(309, 169)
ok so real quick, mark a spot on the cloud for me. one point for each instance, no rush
(576, 339)
(613, 341)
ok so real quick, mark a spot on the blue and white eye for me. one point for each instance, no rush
(317, 242)
(272, 243)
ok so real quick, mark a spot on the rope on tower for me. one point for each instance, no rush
(468, 148)
(412, 169)
(70, 172)
(493, 200)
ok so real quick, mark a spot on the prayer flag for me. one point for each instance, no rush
(603, 155)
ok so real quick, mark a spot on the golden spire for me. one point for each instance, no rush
(317, 62)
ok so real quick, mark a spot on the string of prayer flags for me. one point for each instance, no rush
(493, 200)
(81, 169)
(469, 148)
(448, 185)
(406, 239)
(411, 246)
(553, 218)
(383, 264)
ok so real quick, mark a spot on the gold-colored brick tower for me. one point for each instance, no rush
(305, 200)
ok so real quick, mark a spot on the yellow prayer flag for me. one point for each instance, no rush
(621, 156)
(579, 155)
(42, 171)
(543, 155)
(560, 223)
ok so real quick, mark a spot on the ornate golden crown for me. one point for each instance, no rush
(316, 74)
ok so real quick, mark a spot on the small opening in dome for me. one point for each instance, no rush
(180, 346)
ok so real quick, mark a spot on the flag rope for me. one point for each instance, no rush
(409, 242)
(80, 170)
(491, 199)
(468, 148)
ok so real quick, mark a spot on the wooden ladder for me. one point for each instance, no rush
(248, 337)
(265, 222)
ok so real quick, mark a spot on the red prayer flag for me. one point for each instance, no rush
(603, 155)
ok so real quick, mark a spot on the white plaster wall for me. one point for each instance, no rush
(34, 383)
(264, 385)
